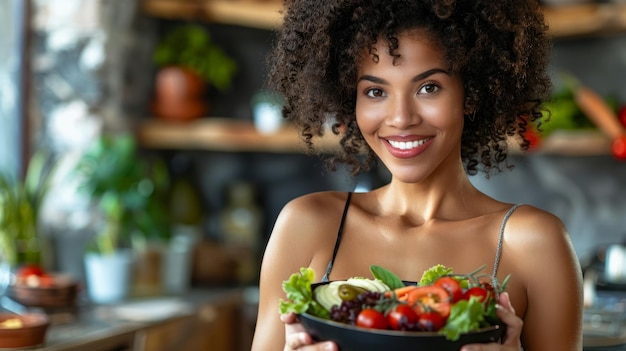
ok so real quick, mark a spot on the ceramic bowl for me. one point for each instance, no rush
(352, 338)
(60, 292)
(22, 331)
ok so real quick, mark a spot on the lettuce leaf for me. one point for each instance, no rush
(465, 316)
(300, 295)
(433, 273)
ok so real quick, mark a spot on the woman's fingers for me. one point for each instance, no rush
(514, 324)
(298, 339)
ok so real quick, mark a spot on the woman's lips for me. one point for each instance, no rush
(407, 148)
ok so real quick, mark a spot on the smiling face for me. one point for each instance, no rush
(411, 112)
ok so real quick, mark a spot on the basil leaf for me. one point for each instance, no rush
(387, 277)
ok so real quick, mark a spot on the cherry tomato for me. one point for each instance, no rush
(401, 317)
(430, 298)
(452, 286)
(371, 318)
(430, 321)
(619, 148)
(479, 291)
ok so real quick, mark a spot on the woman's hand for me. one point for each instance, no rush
(514, 324)
(296, 338)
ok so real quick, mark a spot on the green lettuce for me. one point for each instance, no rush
(433, 273)
(300, 295)
(465, 316)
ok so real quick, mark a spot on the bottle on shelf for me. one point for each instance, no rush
(241, 225)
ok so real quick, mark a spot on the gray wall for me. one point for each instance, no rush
(587, 193)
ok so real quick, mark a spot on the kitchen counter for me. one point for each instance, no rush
(604, 324)
(201, 319)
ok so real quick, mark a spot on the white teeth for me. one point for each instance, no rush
(405, 145)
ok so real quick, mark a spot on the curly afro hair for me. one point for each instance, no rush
(500, 48)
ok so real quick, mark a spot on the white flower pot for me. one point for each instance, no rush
(108, 277)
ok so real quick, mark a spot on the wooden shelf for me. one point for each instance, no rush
(224, 134)
(563, 21)
(586, 19)
(229, 135)
(249, 13)
(570, 143)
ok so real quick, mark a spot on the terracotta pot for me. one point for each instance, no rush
(179, 94)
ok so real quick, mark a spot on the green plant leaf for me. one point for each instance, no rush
(386, 276)
(190, 46)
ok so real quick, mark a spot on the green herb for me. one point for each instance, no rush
(300, 296)
(434, 273)
(465, 316)
(386, 276)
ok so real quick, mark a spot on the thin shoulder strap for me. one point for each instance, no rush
(329, 267)
(500, 240)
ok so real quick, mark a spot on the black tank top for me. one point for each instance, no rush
(496, 263)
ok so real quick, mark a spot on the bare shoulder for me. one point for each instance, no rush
(532, 225)
(311, 215)
(535, 233)
(305, 230)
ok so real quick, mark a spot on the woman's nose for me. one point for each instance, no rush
(403, 113)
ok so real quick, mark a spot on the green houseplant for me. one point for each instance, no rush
(20, 201)
(188, 62)
(130, 192)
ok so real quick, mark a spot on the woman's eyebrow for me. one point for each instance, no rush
(417, 78)
(429, 73)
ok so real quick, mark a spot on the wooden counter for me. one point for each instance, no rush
(202, 320)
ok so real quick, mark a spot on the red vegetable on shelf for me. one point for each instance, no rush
(597, 110)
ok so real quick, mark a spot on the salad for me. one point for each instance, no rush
(442, 301)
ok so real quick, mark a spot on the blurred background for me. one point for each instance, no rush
(144, 126)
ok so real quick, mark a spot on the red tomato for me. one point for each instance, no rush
(430, 321)
(430, 298)
(401, 317)
(533, 137)
(452, 286)
(619, 148)
(371, 318)
(30, 269)
(478, 291)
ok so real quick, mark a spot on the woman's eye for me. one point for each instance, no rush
(429, 89)
(375, 92)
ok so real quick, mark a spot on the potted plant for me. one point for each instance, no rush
(129, 193)
(20, 201)
(189, 61)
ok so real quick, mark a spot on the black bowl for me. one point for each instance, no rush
(352, 338)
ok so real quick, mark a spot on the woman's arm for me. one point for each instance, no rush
(296, 241)
(553, 281)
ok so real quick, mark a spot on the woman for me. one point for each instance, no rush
(432, 89)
